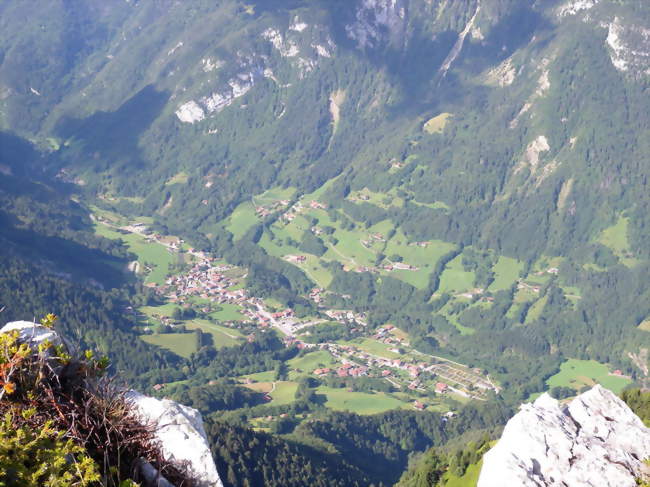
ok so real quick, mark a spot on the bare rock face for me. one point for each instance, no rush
(595, 441)
(180, 431)
(378, 21)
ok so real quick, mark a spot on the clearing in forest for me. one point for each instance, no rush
(455, 278)
(506, 272)
(180, 178)
(437, 124)
(241, 220)
(183, 344)
(616, 238)
(360, 402)
(576, 374)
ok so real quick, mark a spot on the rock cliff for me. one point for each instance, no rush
(595, 441)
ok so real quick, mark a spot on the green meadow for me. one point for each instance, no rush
(506, 272)
(241, 220)
(284, 393)
(148, 252)
(183, 344)
(576, 374)
(456, 279)
(359, 402)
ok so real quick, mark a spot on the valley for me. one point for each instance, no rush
(355, 235)
(199, 292)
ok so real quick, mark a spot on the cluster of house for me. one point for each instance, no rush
(266, 318)
(205, 281)
(297, 208)
(316, 295)
(295, 259)
(384, 335)
(264, 211)
(350, 369)
(347, 316)
(529, 287)
(346, 370)
(399, 266)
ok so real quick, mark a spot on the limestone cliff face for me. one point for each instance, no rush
(595, 441)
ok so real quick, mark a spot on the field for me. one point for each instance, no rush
(311, 361)
(453, 319)
(230, 312)
(260, 386)
(164, 310)
(180, 178)
(615, 237)
(147, 252)
(183, 344)
(454, 278)
(437, 124)
(373, 347)
(424, 258)
(470, 478)
(579, 373)
(241, 220)
(266, 376)
(221, 336)
(359, 402)
(274, 194)
(378, 199)
(284, 393)
(535, 310)
(645, 325)
(506, 272)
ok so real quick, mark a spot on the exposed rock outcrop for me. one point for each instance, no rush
(378, 21)
(180, 431)
(595, 441)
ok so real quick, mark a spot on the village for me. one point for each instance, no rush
(208, 280)
(206, 283)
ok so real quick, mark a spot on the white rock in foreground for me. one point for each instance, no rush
(597, 441)
(32, 333)
(180, 431)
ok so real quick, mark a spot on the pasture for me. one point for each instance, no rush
(221, 336)
(183, 344)
(284, 393)
(241, 220)
(455, 278)
(437, 124)
(506, 272)
(576, 374)
(151, 253)
(359, 402)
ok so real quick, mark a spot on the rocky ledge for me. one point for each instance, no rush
(178, 428)
(594, 441)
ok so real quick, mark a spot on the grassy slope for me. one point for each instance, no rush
(359, 402)
(578, 373)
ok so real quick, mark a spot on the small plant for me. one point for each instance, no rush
(42, 457)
